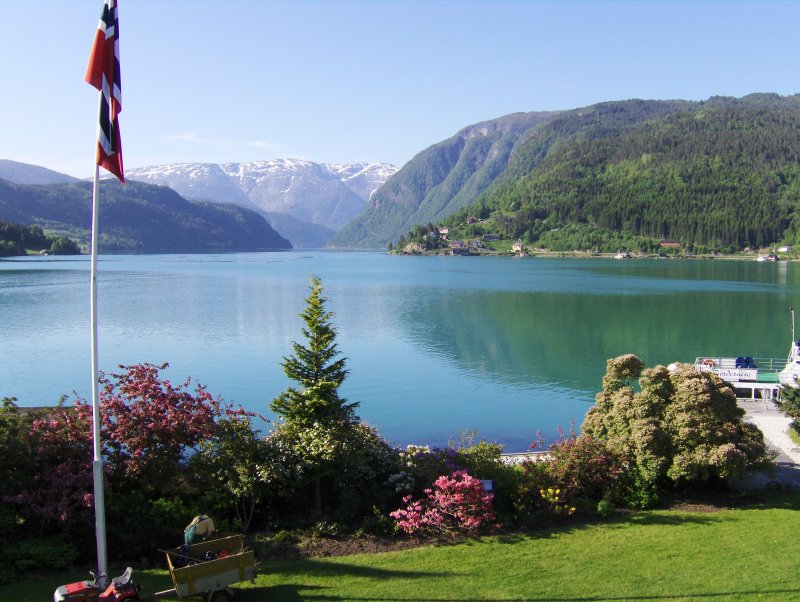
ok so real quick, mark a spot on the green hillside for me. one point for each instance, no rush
(715, 175)
(138, 217)
(721, 174)
(438, 181)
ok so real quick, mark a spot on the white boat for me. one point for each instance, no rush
(756, 378)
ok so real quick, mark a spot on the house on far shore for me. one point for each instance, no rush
(785, 249)
(458, 247)
(444, 231)
(518, 247)
(670, 244)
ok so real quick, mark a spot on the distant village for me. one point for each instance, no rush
(437, 242)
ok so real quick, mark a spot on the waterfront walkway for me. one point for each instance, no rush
(775, 426)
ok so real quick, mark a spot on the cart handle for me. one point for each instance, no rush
(187, 557)
(180, 555)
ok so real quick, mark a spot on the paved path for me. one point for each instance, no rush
(775, 426)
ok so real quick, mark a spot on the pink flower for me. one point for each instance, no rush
(455, 504)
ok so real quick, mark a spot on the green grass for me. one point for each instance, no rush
(741, 554)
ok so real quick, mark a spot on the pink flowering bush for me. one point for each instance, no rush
(149, 427)
(456, 504)
(148, 422)
(62, 461)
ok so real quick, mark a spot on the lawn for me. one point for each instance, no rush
(736, 554)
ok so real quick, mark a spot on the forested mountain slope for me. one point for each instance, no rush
(438, 181)
(138, 217)
(718, 175)
(722, 174)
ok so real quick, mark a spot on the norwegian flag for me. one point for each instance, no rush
(103, 74)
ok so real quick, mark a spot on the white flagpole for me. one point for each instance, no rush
(97, 464)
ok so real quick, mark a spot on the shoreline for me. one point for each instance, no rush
(589, 255)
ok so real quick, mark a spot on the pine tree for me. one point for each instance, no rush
(316, 367)
(318, 423)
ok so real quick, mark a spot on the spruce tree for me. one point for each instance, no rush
(318, 423)
(317, 367)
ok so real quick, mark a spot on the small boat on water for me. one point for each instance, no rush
(756, 378)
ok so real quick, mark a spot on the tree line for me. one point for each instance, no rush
(17, 239)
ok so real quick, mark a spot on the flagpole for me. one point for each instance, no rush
(103, 73)
(97, 463)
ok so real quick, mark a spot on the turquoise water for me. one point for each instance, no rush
(435, 345)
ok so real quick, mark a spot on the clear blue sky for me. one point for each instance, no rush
(363, 80)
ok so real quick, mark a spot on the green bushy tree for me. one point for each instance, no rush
(790, 402)
(64, 246)
(682, 428)
(228, 465)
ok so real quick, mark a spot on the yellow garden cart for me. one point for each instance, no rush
(207, 569)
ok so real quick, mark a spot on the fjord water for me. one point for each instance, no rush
(435, 345)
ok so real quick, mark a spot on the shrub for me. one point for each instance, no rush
(325, 529)
(530, 506)
(790, 401)
(455, 505)
(683, 428)
(286, 536)
(553, 500)
(584, 468)
(225, 469)
(422, 465)
(606, 508)
(484, 460)
(351, 461)
(38, 555)
(378, 523)
(148, 427)
(579, 472)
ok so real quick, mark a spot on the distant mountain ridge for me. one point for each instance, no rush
(24, 173)
(326, 195)
(139, 218)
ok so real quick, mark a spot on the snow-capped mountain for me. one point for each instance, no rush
(363, 178)
(205, 181)
(325, 195)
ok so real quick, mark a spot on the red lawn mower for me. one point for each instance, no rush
(121, 588)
